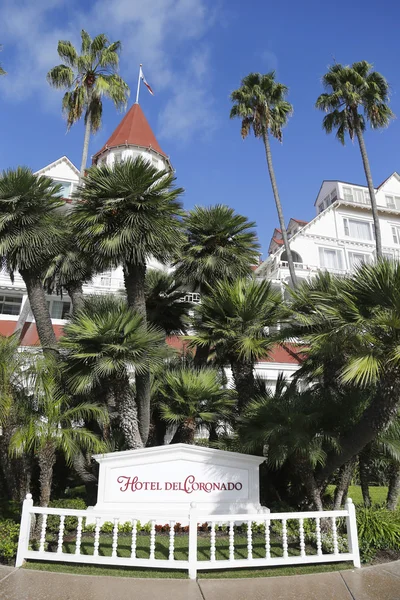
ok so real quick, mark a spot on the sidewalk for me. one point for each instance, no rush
(381, 582)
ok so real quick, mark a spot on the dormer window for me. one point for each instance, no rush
(66, 188)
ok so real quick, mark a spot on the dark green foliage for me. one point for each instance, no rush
(70, 523)
(9, 532)
(378, 529)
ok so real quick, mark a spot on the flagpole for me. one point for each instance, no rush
(138, 84)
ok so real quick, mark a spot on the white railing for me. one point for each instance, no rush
(222, 541)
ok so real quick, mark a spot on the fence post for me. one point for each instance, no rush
(24, 530)
(193, 541)
(352, 535)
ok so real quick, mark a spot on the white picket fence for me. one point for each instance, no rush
(283, 539)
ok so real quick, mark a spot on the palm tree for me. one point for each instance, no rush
(233, 319)
(88, 77)
(50, 424)
(286, 426)
(261, 106)
(193, 398)
(129, 213)
(69, 270)
(30, 237)
(220, 244)
(105, 341)
(355, 95)
(165, 303)
(356, 321)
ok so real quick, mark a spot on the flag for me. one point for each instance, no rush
(143, 78)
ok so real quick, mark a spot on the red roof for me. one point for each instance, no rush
(279, 242)
(30, 338)
(300, 221)
(134, 130)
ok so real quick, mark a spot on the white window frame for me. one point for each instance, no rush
(395, 234)
(368, 257)
(10, 299)
(50, 304)
(346, 229)
(105, 279)
(339, 254)
(392, 201)
(117, 157)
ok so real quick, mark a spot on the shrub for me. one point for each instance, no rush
(107, 527)
(9, 532)
(378, 529)
(125, 527)
(70, 523)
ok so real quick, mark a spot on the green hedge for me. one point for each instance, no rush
(9, 532)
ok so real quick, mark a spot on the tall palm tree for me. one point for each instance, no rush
(51, 424)
(165, 303)
(356, 321)
(30, 237)
(105, 341)
(193, 398)
(88, 77)
(129, 213)
(220, 244)
(355, 95)
(233, 319)
(260, 103)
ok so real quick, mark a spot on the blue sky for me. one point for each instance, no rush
(194, 53)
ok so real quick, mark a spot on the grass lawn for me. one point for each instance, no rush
(378, 493)
(181, 553)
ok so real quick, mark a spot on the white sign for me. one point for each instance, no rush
(170, 478)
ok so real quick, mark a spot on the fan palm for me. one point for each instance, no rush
(286, 424)
(165, 303)
(104, 341)
(358, 317)
(50, 424)
(220, 244)
(233, 319)
(260, 103)
(69, 270)
(129, 213)
(355, 95)
(30, 237)
(88, 77)
(193, 398)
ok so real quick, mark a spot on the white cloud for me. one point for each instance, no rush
(162, 34)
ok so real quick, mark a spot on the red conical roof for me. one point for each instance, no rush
(134, 130)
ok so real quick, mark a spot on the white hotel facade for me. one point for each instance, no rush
(339, 237)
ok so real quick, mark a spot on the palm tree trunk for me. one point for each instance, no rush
(394, 487)
(279, 206)
(346, 474)
(308, 479)
(367, 170)
(75, 292)
(185, 433)
(47, 460)
(243, 377)
(128, 413)
(380, 412)
(134, 277)
(363, 461)
(86, 140)
(40, 310)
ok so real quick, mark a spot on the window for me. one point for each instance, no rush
(358, 258)
(393, 202)
(154, 161)
(105, 279)
(360, 230)
(348, 194)
(117, 157)
(60, 309)
(330, 258)
(66, 188)
(10, 305)
(396, 235)
(359, 196)
(192, 297)
(320, 207)
(333, 196)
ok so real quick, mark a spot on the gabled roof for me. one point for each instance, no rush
(299, 221)
(395, 174)
(134, 130)
(57, 162)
